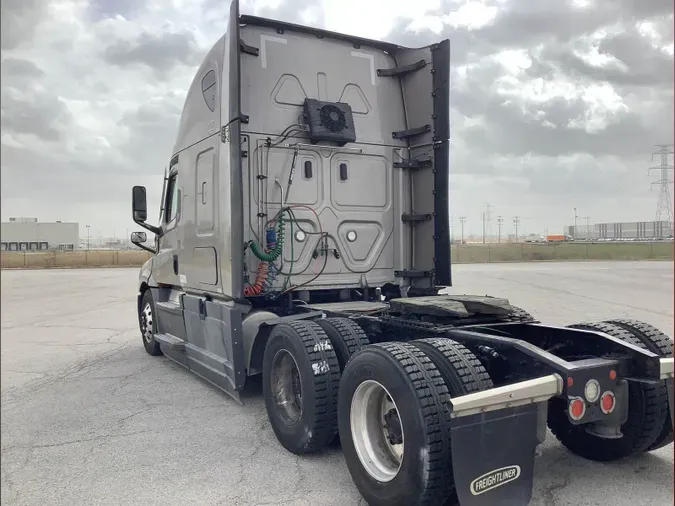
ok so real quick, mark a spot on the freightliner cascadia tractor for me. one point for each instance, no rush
(304, 237)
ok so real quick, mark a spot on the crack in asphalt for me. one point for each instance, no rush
(100, 437)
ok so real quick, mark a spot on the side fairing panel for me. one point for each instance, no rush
(230, 165)
(426, 96)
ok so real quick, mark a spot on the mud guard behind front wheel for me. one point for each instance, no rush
(493, 456)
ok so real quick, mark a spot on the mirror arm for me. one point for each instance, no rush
(151, 228)
(146, 248)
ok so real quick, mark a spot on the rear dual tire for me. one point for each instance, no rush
(647, 408)
(656, 342)
(394, 423)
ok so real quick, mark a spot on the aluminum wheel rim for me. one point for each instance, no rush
(146, 322)
(286, 387)
(372, 434)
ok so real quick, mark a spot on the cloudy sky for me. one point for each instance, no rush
(556, 104)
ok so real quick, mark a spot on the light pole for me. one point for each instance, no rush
(500, 220)
(462, 220)
(575, 223)
(516, 221)
(87, 237)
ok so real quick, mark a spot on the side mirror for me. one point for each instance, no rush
(140, 211)
(139, 204)
(138, 237)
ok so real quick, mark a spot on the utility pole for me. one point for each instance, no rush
(664, 208)
(500, 220)
(516, 222)
(87, 237)
(488, 220)
(462, 220)
(483, 219)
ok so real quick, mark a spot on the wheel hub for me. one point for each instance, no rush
(377, 431)
(147, 322)
(392, 426)
(286, 387)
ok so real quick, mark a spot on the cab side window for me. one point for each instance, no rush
(171, 207)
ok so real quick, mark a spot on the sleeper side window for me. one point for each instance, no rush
(209, 89)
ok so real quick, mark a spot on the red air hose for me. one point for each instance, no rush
(258, 285)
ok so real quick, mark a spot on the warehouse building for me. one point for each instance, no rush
(27, 234)
(624, 230)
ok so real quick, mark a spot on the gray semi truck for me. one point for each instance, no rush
(304, 236)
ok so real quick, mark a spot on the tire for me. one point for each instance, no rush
(147, 322)
(461, 370)
(645, 415)
(346, 337)
(299, 354)
(659, 343)
(401, 373)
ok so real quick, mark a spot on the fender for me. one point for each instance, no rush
(145, 279)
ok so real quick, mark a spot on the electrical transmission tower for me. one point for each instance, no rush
(516, 222)
(500, 221)
(664, 209)
(462, 221)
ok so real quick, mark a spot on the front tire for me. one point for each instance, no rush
(394, 429)
(148, 324)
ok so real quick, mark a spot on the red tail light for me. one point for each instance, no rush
(607, 402)
(577, 408)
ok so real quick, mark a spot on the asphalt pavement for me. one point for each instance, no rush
(89, 418)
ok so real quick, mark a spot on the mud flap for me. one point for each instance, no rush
(493, 456)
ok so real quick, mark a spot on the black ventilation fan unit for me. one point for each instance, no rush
(329, 121)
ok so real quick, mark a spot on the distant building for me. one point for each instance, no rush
(624, 230)
(27, 234)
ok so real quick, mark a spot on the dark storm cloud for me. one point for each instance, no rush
(528, 23)
(552, 33)
(517, 128)
(18, 21)
(645, 63)
(99, 180)
(509, 132)
(637, 61)
(157, 121)
(19, 72)
(39, 114)
(160, 52)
